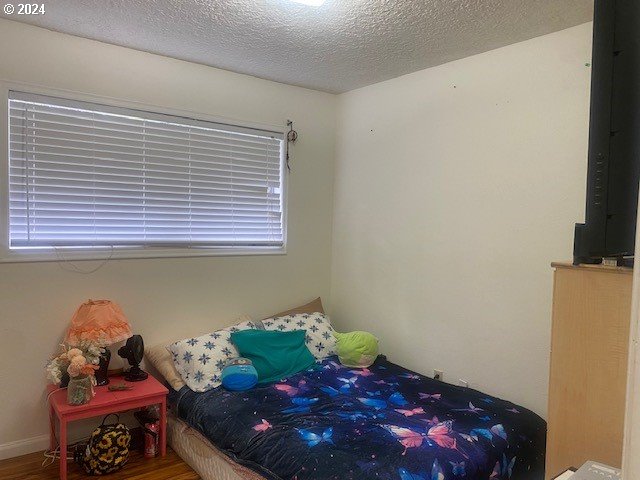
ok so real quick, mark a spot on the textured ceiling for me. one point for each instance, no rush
(344, 44)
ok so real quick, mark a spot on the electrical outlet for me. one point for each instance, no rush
(463, 383)
(438, 375)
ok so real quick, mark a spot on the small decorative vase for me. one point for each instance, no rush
(79, 390)
(101, 373)
(64, 381)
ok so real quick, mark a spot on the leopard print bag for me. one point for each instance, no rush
(108, 448)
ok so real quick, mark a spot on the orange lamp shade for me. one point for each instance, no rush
(98, 321)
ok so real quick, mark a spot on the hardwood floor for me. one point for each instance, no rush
(29, 467)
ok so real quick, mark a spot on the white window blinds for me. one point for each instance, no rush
(85, 175)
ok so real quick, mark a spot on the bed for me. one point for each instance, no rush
(332, 422)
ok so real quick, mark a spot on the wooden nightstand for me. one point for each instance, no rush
(143, 394)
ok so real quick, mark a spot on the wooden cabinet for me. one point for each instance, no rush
(589, 350)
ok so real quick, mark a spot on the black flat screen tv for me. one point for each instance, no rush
(614, 136)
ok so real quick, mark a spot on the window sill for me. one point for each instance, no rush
(63, 255)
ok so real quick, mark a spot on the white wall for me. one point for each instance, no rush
(455, 187)
(166, 297)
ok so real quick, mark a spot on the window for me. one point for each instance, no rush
(84, 175)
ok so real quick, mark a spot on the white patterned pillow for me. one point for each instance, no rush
(200, 360)
(320, 339)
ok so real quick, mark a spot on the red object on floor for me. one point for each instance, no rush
(151, 439)
(144, 393)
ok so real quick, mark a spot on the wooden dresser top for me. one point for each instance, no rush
(599, 268)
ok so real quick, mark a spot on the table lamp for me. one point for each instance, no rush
(103, 322)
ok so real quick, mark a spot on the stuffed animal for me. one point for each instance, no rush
(239, 374)
(356, 349)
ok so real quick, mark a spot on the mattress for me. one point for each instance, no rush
(204, 458)
(385, 422)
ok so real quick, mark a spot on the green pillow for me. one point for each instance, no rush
(275, 355)
(356, 349)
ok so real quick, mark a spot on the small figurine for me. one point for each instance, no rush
(119, 387)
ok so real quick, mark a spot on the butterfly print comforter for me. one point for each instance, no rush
(384, 422)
